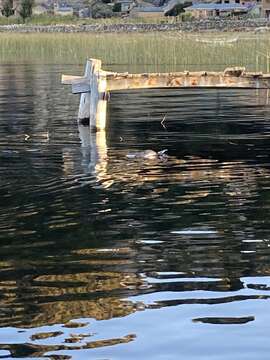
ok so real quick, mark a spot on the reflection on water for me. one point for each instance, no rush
(103, 256)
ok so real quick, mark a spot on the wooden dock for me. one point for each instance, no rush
(96, 84)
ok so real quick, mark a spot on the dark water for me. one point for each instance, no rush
(103, 257)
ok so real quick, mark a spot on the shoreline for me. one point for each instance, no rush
(219, 25)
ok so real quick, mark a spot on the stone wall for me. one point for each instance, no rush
(259, 25)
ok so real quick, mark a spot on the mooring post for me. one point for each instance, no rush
(84, 108)
(98, 97)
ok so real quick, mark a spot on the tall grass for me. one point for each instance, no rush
(158, 51)
(45, 19)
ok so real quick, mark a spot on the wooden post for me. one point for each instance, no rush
(84, 108)
(95, 84)
(102, 102)
(98, 97)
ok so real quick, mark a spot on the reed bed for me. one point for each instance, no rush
(149, 52)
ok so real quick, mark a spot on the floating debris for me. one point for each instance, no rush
(162, 122)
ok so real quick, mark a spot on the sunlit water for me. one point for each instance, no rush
(104, 257)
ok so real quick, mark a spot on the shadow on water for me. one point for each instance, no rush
(96, 247)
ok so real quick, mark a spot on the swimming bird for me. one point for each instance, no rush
(148, 154)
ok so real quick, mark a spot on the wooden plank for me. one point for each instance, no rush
(188, 80)
(234, 71)
(94, 95)
(102, 103)
(230, 78)
(70, 79)
(84, 108)
(81, 87)
(93, 101)
(96, 83)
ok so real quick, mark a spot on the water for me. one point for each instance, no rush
(103, 257)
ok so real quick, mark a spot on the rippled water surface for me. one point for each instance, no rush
(105, 257)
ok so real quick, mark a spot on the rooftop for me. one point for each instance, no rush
(64, 8)
(220, 7)
(149, 8)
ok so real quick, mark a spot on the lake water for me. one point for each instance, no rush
(104, 257)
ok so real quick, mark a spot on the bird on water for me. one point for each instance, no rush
(148, 154)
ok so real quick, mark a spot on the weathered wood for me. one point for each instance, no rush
(84, 108)
(98, 99)
(102, 103)
(189, 80)
(70, 79)
(230, 78)
(81, 87)
(96, 83)
(93, 98)
(234, 71)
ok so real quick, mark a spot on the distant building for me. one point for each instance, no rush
(125, 5)
(84, 13)
(146, 10)
(63, 9)
(254, 6)
(204, 10)
(266, 9)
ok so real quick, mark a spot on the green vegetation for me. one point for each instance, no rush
(101, 10)
(9, 20)
(164, 51)
(26, 9)
(7, 8)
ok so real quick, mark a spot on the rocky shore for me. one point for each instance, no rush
(257, 25)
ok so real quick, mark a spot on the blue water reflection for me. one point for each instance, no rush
(106, 257)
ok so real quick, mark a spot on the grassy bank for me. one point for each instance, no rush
(158, 51)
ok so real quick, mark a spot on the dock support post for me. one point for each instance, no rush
(84, 108)
(96, 83)
(98, 98)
